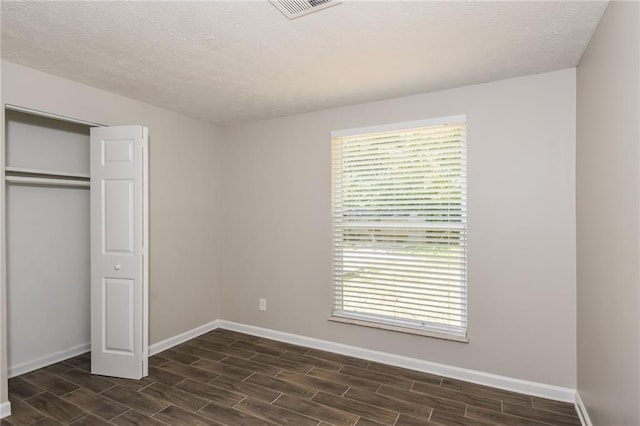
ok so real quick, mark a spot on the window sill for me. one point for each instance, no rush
(407, 330)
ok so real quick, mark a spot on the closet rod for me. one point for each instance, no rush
(11, 169)
(46, 181)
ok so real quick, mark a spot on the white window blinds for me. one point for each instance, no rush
(399, 226)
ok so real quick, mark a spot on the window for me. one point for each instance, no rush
(400, 225)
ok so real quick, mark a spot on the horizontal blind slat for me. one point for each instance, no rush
(408, 226)
(406, 267)
(380, 275)
(424, 316)
(356, 287)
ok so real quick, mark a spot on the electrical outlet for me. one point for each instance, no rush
(263, 304)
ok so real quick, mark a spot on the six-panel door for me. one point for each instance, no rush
(119, 288)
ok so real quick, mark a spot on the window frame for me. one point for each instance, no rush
(429, 329)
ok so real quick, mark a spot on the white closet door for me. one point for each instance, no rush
(119, 272)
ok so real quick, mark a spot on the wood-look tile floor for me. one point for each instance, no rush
(228, 378)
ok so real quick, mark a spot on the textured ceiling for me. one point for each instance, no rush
(230, 61)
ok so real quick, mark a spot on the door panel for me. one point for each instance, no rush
(119, 273)
(118, 224)
(118, 298)
(117, 151)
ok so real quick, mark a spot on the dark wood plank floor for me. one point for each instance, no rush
(228, 378)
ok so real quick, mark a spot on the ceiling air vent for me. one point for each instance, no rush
(296, 8)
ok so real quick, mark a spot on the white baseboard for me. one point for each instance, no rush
(182, 337)
(543, 390)
(502, 382)
(25, 367)
(5, 409)
(582, 411)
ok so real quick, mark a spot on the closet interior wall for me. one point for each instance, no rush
(47, 240)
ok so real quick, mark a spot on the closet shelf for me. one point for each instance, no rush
(27, 171)
(47, 181)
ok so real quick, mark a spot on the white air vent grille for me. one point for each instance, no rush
(296, 8)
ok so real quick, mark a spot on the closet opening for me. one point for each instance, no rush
(77, 253)
(47, 240)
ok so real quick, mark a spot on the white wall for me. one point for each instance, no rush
(521, 195)
(608, 221)
(184, 194)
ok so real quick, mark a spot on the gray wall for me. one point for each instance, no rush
(521, 194)
(608, 226)
(184, 195)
